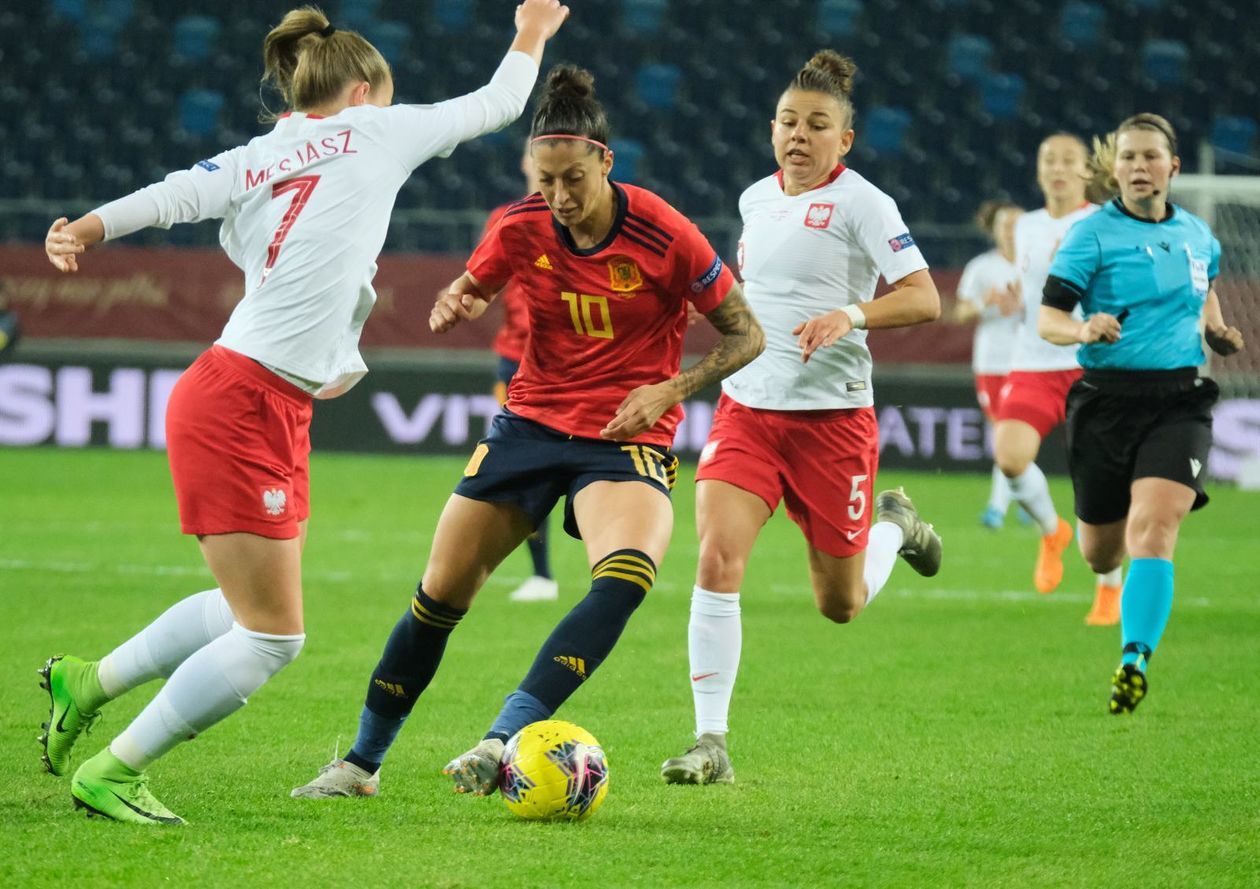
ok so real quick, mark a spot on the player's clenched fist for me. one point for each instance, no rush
(544, 17)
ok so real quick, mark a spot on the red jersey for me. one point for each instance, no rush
(606, 319)
(509, 342)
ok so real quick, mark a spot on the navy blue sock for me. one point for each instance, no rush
(407, 665)
(537, 543)
(580, 642)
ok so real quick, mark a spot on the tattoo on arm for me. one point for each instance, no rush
(742, 341)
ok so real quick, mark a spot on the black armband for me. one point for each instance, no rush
(1060, 294)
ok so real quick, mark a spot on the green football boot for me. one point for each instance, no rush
(707, 762)
(74, 700)
(921, 546)
(105, 785)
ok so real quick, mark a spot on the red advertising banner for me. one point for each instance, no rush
(186, 295)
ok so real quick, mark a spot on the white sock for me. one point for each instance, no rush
(714, 638)
(188, 625)
(999, 492)
(881, 554)
(1032, 491)
(208, 686)
(1114, 577)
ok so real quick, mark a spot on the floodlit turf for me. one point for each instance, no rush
(956, 734)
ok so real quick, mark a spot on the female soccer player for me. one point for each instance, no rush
(1033, 398)
(986, 294)
(509, 345)
(305, 209)
(1140, 420)
(607, 270)
(798, 423)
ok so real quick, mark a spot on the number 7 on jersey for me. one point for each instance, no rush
(301, 188)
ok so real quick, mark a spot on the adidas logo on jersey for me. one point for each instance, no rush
(576, 664)
(543, 262)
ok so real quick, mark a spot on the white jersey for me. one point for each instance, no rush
(805, 255)
(995, 332)
(305, 210)
(1037, 237)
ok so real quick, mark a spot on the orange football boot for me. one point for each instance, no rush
(1049, 571)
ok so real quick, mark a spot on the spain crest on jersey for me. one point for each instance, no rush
(624, 275)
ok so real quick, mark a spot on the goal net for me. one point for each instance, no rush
(1231, 206)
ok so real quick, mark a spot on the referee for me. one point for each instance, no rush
(1139, 423)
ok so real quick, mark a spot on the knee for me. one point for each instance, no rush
(721, 567)
(1100, 557)
(841, 606)
(1152, 536)
(1010, 465)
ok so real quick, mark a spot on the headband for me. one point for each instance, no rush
(328, 31)
(594, 142)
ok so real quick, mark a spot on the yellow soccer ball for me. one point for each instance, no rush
(553, 771)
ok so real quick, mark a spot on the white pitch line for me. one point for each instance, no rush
(509, 580)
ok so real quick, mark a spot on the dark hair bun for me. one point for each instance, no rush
(840, 69)
(569, 82)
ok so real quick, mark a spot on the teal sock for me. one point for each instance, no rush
(1144, 608)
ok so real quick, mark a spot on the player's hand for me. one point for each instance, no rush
(1006, 299)
(1224, 340)
(62, 248)
(543, 17)
(1100, 328)
(820, 332)
(454, 306)
(639, 412)
(693, 314)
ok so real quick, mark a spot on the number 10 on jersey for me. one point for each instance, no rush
(589, 314)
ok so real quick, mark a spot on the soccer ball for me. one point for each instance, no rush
(553, 771)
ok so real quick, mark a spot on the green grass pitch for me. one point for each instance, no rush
(956, 734)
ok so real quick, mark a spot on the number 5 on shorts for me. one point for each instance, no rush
(857, 498)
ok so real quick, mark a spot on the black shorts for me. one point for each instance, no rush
(526, 464)
(1126, 425)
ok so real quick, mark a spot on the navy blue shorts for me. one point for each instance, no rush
(530, 466)
(505, 370)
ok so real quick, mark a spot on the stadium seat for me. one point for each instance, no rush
(391, 38)
(1001, 95)
(1082, 24)
(657, 85)
(643, 17)
(627, 154)
(454, 15)
(1234, 134)
(74, 10)
(885, 130)
(195, 36)
(839, 18)
(356, 14)
(199, 111)
(968, 56)
(1164, 61)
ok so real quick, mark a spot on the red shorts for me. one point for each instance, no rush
(989, 393)
(238, 440)
(1037, 397)
(822, 464)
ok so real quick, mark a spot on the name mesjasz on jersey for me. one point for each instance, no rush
(329, 146)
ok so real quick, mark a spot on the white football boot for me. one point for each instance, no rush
(339, 778)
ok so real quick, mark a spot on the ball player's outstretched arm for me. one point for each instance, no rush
(463, 300)
(66, 240)
(537, 21)
(742, 341)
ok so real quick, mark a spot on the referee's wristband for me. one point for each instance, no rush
(856, 315)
